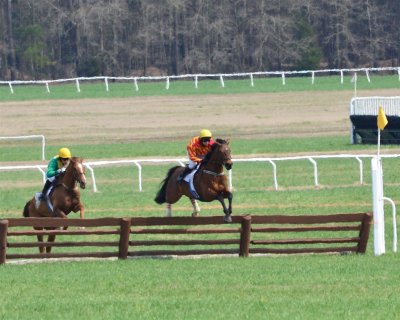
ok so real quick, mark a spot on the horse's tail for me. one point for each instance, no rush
(162, 193)
(26, 209)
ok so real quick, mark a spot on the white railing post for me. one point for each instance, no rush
(167, 84)
(139, 174)
(221, 79)
(394, 223)
(78, 88)
(11, 88)
(274, 173)
(314, 163)
(230, 179)
(43, 173)
(361, 170)
(377, 201)
(93, 177)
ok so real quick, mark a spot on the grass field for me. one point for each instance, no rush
(284, 287)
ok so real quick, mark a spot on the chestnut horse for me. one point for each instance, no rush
(65, 197)
(209, 182)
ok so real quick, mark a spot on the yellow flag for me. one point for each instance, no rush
(382, 121)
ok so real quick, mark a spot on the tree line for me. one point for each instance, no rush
(42, 39)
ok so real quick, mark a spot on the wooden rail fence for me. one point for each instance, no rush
(169, 236)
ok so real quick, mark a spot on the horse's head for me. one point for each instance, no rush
(221, 153)
(77, 171)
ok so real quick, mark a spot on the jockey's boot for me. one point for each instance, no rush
(45, 189)
(184, 174)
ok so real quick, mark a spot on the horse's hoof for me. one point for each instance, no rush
(228, 219)
(195, 214)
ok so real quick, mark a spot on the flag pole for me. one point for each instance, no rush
(379, 145)
(377, 190)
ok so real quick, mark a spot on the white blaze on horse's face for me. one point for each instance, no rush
(226, 151)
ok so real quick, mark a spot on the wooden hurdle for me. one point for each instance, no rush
(183, 236)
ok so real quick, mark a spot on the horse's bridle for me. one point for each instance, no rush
(77, 175)
(223, 162)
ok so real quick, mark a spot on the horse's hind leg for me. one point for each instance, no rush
(196, 207)
(51, 238)
(40, 240)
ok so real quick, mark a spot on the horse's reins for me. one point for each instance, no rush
(75, 176)
(213, 173)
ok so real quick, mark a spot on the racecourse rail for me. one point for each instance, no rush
(196, 77)
(185, 236)
(271, 161)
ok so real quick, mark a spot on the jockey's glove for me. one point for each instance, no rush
(62, 170)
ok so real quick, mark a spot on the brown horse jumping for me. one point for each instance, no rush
(64, 198)
(209, 182)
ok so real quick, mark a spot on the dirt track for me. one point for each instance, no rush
(152, 118)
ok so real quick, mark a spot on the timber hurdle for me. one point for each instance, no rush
(183, 236)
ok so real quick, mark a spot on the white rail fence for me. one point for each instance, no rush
(138, 163)
(39, 136)
(196, 77)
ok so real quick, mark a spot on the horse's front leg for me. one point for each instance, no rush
(59, 213)
(230, 198)
(227, 217)
(81, 210)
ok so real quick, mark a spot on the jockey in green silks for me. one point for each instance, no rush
(56, 166)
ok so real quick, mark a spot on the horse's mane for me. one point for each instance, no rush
(213, 147)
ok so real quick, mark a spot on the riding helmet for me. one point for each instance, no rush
(64, 153)
(204, 133)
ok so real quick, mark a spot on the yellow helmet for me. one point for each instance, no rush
(64, 153)
(204, 133)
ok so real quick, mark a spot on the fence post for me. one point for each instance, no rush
(245, 237)
(3, 240)
(124, 238)
(364, 233)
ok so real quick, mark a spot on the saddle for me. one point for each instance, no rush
(48, 199)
